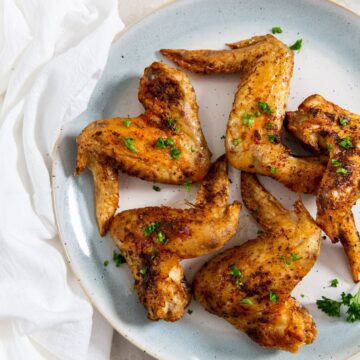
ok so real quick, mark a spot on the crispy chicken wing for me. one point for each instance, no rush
(155, 239)
(256, 120)
(250, 285)
(164, 144)
(325, 127)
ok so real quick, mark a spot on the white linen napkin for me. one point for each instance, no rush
(52, 53)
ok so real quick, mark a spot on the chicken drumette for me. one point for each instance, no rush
(164, 144)
(155, 239)
(250, 285)
(256, 120)
(326, 128)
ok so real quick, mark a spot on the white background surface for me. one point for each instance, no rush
(130, 12)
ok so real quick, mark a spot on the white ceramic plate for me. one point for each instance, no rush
(328, 64)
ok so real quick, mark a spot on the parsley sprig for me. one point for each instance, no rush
(332, 307)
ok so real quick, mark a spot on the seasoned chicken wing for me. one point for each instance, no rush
(256, 119)
(250, 285)
(325, 127)
(155, 239)
(164, 144)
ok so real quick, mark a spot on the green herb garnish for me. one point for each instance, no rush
(297, 45)
(329, 147)
(248, 119)
(274, 170)
(343, 121)
(273, 297)
(259, 232)
(161, 238)
(276, 30)
(156, 188)
(346, 143)
(106, 263)
(341, 171)
(129, 144)
(143, 270)
(265, 107)
(236, 142)
(235, 272)
(246, 301)
(188, 185)
(151, 228)
(269, 125)
(175, 153)
(272, 138)
(118, 259)
(336, 163)
(189, 311)
(334, 283)
(257, 113)
(164, 143)
(127, 123)
(293, 258)
(223, 137)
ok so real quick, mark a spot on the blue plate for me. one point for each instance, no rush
(328, 63)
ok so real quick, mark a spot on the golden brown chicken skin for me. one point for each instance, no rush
(164, 144)
(325, 127)
(250, 285)
(256, 119)
(155, 239)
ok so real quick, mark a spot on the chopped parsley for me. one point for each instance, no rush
(127, 123)
(189, 311)
(223, 137)
(235, 272)
(248, 119)
(170, 121)
(274, 170)
(273, 297)
(118, 259)
(106, 263)
(341, 171)
(276, 30)
(143, 270)
(246, 301)
(164, 143)
(302, 295)
(336, 163)
(188, 185)
(334, 283)
(346, 143)
(151, 228)
(329, 147)
(293, 258)
(257, 113)
(129, 144)
(272, 138)
(343, 121)
(332, 307)
(236, 142)
(269, 125)
(153, 253)
(297, 45)
(175, 153)
(161, 238)
(265, 107)
(156, 188)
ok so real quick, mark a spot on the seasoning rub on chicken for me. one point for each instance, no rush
(164, 144)
(256, 119)
(327, 128)
(155, 239)
(250, 285)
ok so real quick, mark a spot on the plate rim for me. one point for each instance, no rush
(55, 159)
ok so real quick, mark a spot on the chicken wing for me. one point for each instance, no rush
(325, 127)
(155, 239)
(164, 144)
(250, 285)
(256, 119)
